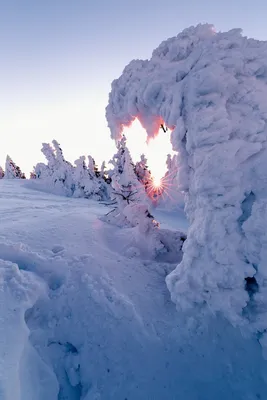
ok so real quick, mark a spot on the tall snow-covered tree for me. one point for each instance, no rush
(210, 88)
(12, 171)
(2, 173)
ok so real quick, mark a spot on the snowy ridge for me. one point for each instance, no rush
(210, 88)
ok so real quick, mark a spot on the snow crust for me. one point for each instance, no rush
(210, 88)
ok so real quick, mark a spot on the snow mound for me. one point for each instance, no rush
(210, 88)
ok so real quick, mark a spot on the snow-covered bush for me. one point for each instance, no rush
(210, 89)
(12, 171)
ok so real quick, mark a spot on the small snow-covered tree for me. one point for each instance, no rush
(170, 195)
(63, 170)
(33, 175)
(104, 173)
(143, 174)
(2, 173)
(61, 177)
(126, 187)
(12, 171)
(58, 173)
(131, 206)
(86, 183)
(82, 178)
(103, 169)
(91, 165)
(41, 171)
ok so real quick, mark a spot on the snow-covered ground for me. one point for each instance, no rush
(83, 317)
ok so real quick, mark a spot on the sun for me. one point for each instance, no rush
(157, 182)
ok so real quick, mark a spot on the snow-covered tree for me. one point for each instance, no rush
(143, 174)
(57, 174)
(63, 170)
(41, 171)
(33, 175)
(86, 183)
(91, 165)
(210, 89)
(126, 187)
(2, 173)
(103, 169)
(104, 173)
(61, 177)
(169, 195)
(12, 171)
(132, 209)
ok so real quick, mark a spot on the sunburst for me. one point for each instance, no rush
(162, 187)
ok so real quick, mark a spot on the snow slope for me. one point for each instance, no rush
(81, 320)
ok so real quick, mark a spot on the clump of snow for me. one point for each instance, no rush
(210, 89)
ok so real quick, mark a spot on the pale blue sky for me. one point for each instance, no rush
(59, 57)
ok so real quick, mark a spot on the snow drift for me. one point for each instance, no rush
(210, 88)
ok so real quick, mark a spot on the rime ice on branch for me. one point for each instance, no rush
(211, 88)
